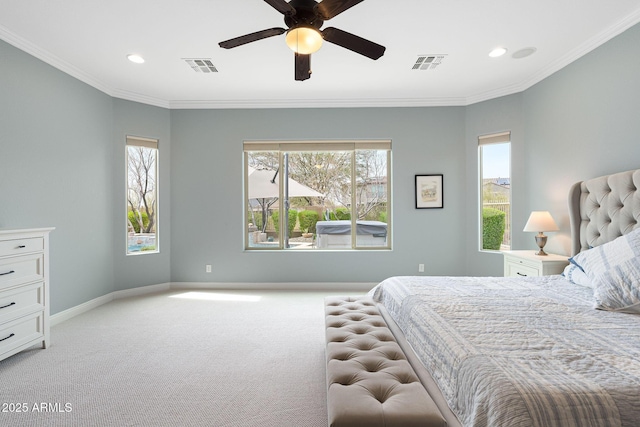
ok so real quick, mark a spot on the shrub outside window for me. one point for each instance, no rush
(494, 153)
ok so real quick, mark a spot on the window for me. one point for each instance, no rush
(142, 195)
(317, 195)
(494, 152)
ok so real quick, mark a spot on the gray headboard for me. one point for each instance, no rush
(603, 208)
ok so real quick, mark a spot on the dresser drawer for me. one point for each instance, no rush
(23, 331)
(21, 301)
(21, 246)
(18, 270)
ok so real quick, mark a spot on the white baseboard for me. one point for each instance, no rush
(339, 288)
(97, 302)
(142, 290)
(278, 286)
(79, 309)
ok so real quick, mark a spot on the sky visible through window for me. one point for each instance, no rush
(496, 161)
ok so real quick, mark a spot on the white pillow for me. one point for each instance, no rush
(618, 289)
(614, 271)
(604, 256)
(575, 275)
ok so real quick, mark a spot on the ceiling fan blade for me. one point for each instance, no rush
(352, 42)
(330, 8)
(248, 38)
(303, 66)
(282, 6)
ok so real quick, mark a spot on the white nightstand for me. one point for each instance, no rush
(527, 263)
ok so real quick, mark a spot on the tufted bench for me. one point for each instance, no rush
(369, 381)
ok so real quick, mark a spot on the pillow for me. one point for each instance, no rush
(599, 258)
(575, 275)
(614, 271)
(618, 289)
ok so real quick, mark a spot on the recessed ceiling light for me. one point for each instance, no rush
(523, 53)
(499, 51)
(135, 58)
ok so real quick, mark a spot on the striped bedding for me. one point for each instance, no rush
(520, 351)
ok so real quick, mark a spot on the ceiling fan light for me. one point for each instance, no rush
(304, 40)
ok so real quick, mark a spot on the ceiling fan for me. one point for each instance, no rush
(304, 18)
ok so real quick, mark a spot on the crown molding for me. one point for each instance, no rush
(52, 60)
(586, 47)
(138, 97)
(318, 103)
(495, 93)
(572, 56)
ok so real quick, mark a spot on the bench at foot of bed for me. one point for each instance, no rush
(369, 381)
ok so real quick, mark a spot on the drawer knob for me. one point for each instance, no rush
(520, 274)
(21, 247)
(8, 305)
(8, 272)
(7, 337)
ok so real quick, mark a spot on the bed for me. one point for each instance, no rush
(337, 234)
(560, 350)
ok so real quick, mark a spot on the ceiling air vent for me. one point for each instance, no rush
(428, 62)
(201, 65)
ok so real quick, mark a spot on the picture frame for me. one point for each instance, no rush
(430, 191)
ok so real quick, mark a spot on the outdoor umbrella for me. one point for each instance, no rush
(264, 186)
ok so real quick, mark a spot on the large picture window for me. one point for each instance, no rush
(142, 195)
(317, 195)
(494, 152)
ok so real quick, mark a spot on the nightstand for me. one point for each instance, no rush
(527, 263)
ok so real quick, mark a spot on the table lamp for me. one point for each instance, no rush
(540, 221)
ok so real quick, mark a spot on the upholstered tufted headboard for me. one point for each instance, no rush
(601, 209)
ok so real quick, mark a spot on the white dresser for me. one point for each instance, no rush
(527, 263)
(24, 289)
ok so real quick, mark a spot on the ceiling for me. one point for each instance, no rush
(90, 40)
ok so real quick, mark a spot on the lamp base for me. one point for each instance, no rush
(541, 240)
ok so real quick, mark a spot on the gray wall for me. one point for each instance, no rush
(134, 119)
(56, 166)
(579, 123)
(62, 165)
(582, 122)
(207, 202)
(497, 115)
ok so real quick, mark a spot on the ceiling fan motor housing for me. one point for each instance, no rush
(305, 15)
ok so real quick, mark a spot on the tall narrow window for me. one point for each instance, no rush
(318, 195)
(142, 195)
(494, 153)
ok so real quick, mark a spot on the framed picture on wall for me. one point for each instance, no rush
(429, 191)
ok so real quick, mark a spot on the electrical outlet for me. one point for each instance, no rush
(208, 268)
(420, 268)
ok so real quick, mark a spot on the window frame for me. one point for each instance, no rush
(282, 147)
(149, 143)
(483, 141)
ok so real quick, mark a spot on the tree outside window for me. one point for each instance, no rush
(142, 157)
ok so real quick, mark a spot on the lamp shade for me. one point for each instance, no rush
(304, 40)
(540, 221)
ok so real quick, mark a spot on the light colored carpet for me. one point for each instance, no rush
(167, 360)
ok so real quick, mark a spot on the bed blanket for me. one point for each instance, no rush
(520, 351)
